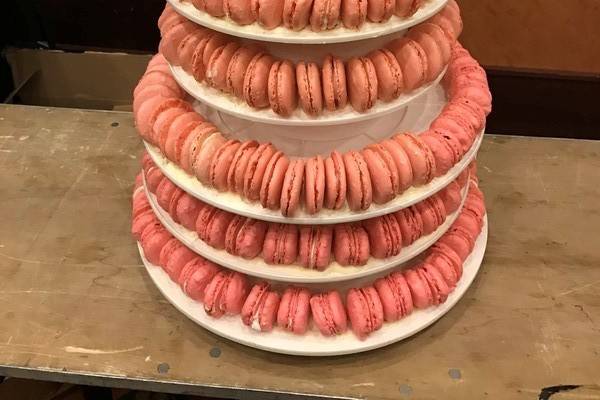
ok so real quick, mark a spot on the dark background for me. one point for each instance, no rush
(528, 102)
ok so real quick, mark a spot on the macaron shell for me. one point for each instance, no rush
(292, 187)
(358, 181)
(328, 313)
(325, 14)
(335, 94)
(272, 182)
(239, 11)
(219, 166)
(335, 181)
(187, 210)
(411, 56)
(421, 158)
(314, 187)
(202, 162)
(362, 83)
(281, 244)
(177, 260)
(389, 74)
(364, 310)
(237, 169)
(383, 172)
(255, 170)
(380, 10)
(406, 8)
(419, 289)
(385, 236)
(411, 225)
(195, 276)
(256, 81)
(354, 13)
(308, 79)
(351, 244)
(402, 162)
(185, 50)
(268, 13)
(435, 62)
(216, 69)
(236, 70)
(294, 310)
(296, 13)
(315, 246)
(211, 226)
(283, 95)
(140, 222)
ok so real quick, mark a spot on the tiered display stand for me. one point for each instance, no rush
(301, 135)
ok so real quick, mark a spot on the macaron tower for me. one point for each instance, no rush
(309, 181)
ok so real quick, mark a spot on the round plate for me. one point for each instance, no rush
(232, 202)
(297, 273)
(313, 343)
(307, 36)
(232, 105)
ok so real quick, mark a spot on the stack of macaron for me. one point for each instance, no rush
(313, 247)
(316, 15)
(264, 305)
(259, 172)
(250, 73)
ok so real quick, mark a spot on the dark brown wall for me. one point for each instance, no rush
(549, 35)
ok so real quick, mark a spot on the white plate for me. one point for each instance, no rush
(306, 141)
(313, 343)
(232, 202)
(306, 36)
(232, 105)
(297, 273)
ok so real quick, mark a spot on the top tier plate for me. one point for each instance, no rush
(306, 36)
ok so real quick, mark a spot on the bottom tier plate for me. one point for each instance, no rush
(313, 343)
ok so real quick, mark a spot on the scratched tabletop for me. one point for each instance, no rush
(76, 304)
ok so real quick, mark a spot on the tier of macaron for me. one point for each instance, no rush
(315, 15)
(251, 74)
(264, 306)
(309, 246)
(258, 172)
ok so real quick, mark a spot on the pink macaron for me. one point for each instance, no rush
(218, 167)
(187, 210)
(351, 244)
(255, 170)
(153, 238)
(245, 237)
(272, 182)
(294, 310)
(211, 226)
(389, 74)
(260, 308)
(411, 224)
(364, 310)
(421, 158)
(237, 169)
(292, 187)
(281, 244)
(174, 256)
(314, 184)
(195, 277)
(362, 83)
(395, 296)
(335, 181)
(282, 87)
(402, 162)
(354, 13)
(385, 236)
(413, 60)
(385, 179)
(256, 81)
(325, 14)
(225, 294)
(310, 92)
(314, 248)
(333, 80)
(296, 13)
(268, 13)
(329, 314)
(358, 181)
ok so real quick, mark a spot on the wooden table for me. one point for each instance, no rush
(78, 306)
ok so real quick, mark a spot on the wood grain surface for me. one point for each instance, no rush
(78, 306)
